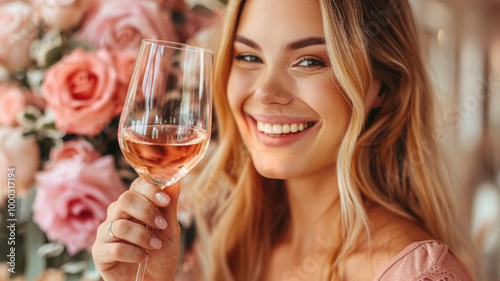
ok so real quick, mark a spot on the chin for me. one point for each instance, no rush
(273, 174)
(273, 170)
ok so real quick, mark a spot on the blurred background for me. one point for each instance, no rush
(462, 46)
(58, 59)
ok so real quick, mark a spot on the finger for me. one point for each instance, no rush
(152, 192)
(112, 253)
(114, 212)
(173, 192)
(133, 233)
(170, 213)
(139, 207)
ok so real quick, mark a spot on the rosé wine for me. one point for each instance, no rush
(163, 154)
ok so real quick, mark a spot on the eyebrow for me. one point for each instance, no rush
(298, 44)
(245, 41)
(306, 42)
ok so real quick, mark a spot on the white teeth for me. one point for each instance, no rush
(278, 129)
(286, 129)
(268, 129)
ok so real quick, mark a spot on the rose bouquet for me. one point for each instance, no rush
(64, 72)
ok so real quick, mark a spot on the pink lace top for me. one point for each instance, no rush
(425, 261)
(420, 261)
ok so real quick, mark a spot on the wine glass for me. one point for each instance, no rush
(165, 124)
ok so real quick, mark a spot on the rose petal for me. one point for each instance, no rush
(73, 112)
(69, 209)
(137, 19)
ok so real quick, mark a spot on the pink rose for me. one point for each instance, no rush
(61, 14)
(178, 5)
(203, 30)
(72, 199)
(8, 1)
(80, 89)
(124, 64)
(20, 152)
(35, 100)
(122, 24)
(79, 149)
(12, 102)
(16, 35)
(195, 22)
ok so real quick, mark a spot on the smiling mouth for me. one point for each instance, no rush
(283, 129)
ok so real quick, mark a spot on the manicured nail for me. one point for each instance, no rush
(160, 222)
(155, 243)
(162, 197)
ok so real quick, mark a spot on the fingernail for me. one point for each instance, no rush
(162, 197)
(160, 222)
(155, 243)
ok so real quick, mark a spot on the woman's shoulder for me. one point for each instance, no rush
(401, 249)
(428, 260)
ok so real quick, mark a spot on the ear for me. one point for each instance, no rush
(375, 95)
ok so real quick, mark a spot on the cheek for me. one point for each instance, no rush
(239, 88)
(329, 103)
(336, 108)
(325, 98)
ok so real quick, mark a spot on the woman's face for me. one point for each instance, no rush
(287, 106)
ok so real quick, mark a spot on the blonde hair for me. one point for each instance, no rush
(390, 157)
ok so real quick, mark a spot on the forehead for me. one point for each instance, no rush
(280, 18)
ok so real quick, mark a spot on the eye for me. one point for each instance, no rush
(311, 62)
(248, 58)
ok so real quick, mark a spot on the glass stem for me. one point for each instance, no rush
(141, 270)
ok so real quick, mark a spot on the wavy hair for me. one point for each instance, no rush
(390, 157)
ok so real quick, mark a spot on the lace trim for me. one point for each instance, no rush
(437, 273)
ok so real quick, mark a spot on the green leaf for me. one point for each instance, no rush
(75, 44)
(53, 55)
(35, 238)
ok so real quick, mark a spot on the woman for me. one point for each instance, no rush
(326, 168)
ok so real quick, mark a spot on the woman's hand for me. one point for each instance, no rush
(119, 248)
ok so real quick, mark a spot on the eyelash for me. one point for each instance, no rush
(312, 62)
(248, 58)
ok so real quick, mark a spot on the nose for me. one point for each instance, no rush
(272, 90)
